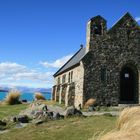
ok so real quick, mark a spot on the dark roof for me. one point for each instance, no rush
(73, 61)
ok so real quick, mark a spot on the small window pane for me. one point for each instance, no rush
(64, 79)
(126, 75)
(71, 76)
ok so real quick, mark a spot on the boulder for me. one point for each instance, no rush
(56, 116)
(24, 101)
(72, 111)
(2, 123)
(45, 108)
(69, 111)
(77, 112)
(14, 119)
(23, 119)
(49, 115)
(37, 122)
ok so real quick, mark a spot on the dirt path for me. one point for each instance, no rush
(94, 113)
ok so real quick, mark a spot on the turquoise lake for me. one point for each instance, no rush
(26, 96)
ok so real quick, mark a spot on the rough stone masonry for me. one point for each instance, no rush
(108, 69)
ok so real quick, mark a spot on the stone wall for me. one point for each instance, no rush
(79, 83)
(63, 94)
(139, 86)
(112, 50)
(70, 93)
(98, 74)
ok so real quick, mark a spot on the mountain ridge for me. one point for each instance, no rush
(24, 89)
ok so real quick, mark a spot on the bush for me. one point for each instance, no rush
(39, 96)
(13, 97)
(128, 126)
(90, 102)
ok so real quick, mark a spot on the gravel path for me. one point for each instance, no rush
(94, 113)
(56, 108)
(113, 113)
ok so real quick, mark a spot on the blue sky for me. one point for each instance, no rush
(39, 36)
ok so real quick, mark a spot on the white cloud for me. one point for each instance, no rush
(15, 73)
(137, 19)
(57, 63)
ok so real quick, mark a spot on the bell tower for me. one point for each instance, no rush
(96, 27)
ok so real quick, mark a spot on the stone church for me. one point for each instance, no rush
(107, 69)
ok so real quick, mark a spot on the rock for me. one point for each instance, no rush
(2, 123)
(20, 125)
(61, 116)
(23, 119)
(56, 116)
(49, 114)
(91, 108)
(14, 119)
(36, 122)
(45, 108)
(69, 111)
(72, 111)
(38, 114)
(24, 101)
(77, 112)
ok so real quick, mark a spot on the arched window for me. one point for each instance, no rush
(64, 79)
(71, 76)
(58, 82)
(97, 29)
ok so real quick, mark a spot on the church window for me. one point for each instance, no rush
(98, 29)
(58, 82)
(64, 79)
(71, 76)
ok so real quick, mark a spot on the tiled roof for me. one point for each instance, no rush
(74, 60)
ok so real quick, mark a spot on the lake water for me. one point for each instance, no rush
(26, 96)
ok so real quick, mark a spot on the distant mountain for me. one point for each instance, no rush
(3, 90)
(24, 89)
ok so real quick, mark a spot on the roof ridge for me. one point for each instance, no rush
(127, 13)
(68, 61)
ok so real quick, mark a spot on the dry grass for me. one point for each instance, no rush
(13, 98)
(39, 96)
(128, 126)
(90, 102)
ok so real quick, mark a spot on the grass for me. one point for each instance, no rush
(67, 129)
(9, 110)
(128, 126)
(70, 129)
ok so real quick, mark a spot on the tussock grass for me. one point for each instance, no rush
(90, 102)
(12, 98)
(127, 128)
(39, 96)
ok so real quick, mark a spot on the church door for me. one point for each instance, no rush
(128, 85)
